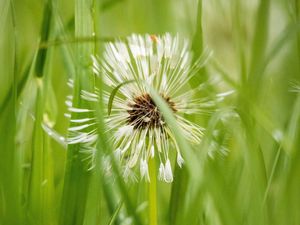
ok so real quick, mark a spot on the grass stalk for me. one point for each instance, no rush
(259, 44)
(94, 198)
(197, 47)
(10, 166)
(178, 193)
(76, 181)
(152, 193)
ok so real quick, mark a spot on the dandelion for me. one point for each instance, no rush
(138, 128)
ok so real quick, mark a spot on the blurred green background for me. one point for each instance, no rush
(256, 53)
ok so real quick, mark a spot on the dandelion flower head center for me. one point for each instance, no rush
(143, 112)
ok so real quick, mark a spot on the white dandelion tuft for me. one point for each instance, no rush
(139, 131)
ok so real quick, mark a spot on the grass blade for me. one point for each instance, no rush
(76, 181)
(10, 166)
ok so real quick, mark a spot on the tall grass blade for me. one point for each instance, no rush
(76, 181)
(10, 166)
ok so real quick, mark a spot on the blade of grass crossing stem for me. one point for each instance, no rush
(76, 181)
(190, 157)
(192, 209)
(191, 160)
(10, 158)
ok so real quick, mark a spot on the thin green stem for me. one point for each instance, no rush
(272, 174)
(152, 194)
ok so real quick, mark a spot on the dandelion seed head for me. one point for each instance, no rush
(138, 127)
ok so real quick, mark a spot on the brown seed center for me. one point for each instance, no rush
(144, 113)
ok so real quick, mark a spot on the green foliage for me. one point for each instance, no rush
(244, 171)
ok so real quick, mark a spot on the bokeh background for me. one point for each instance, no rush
(246, 169)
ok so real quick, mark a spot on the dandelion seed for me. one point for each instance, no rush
(161, 171)
(144, 169)
(168, 175)
(179, 160)
(139, 128)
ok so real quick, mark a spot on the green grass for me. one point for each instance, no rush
(256, 53)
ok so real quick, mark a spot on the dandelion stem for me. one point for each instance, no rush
(152, 193)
